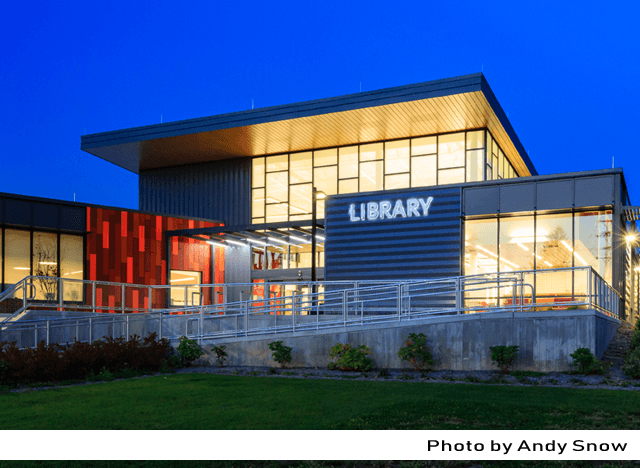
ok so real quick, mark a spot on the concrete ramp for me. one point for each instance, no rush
(459, 342)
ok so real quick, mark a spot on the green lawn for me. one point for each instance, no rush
(202, 401)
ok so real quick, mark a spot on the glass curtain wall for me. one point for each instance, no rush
(282, 184)
(542, 243)
(42, 253)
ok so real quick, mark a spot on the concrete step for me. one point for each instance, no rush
(619, 345)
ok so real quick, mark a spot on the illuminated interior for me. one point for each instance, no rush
(281, 184)
(560, 241)
(181, 278)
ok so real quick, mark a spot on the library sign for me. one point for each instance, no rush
(373, 211)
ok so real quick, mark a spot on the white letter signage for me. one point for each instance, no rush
(371, 211)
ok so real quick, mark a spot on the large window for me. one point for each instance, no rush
(184, 287)
(281, 184)
(48, 254)
(544, 243)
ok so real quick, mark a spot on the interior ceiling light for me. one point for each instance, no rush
(566, 245)
(547, 263)
(522, 246)
(580, 258)
(299, 239)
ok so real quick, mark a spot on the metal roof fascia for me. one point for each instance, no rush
(376, 98)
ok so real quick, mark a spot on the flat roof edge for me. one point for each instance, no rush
(406, 93)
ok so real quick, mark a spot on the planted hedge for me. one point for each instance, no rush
(54, 362)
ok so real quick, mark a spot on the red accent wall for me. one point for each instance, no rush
(129, 247)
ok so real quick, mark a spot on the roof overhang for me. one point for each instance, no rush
(440, 106)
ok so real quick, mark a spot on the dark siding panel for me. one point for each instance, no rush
(218, 190)
(18, 212)
(73, 218)
(403, 248)
(46, 215)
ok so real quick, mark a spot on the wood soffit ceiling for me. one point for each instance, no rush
(442, 114)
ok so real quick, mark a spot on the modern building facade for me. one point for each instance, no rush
(422, 181)
(377, 156)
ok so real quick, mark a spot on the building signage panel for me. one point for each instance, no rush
(372, 211)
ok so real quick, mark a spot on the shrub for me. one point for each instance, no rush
(631, 366)
(49, 363)
(221, 354)
(281, 353)
(635, 339)
(503, 357)
(349, 358)
(586, 363)
(189, 350)
(416, 352)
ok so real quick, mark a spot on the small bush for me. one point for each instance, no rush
(416, 352)
(349, 358)
(189, 350)
(631, 366)
(221, 354)
(586, 363)
(81, 361)
(281, 353)
(635, 339)
(503, 357)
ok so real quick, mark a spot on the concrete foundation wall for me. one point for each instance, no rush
(546, 340)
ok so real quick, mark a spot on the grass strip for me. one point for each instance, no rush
(202, 401)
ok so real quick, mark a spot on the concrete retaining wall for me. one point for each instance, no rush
(546, 340)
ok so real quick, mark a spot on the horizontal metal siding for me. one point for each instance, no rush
(219, 190)
(402, 248)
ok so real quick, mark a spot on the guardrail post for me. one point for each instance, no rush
(590, 276)
(458, 302)
(186, 296)
(149, 298)
(24, 293)
(47, 332)
(93, 297)
(344, 307)
(35, 334)
(60, 292)
(122, 298)
(160, 326)
(246, 318)
(90, 330)
(127, 337)
(293, 311)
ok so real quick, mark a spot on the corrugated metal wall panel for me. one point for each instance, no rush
(424, 247)
(219, 190)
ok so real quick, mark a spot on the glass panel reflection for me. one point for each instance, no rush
(396, 181)
(451, 150)
(594, 241)
(325, 179)
(371, 152)
(426, 145)
(475, 165)
(424, 171)
(45, 263)
(516, 243)
(257, 177)
(348, 162)
(371, 176)
(277, 163)
(396, 154)
(71, 266)
(325, 157)
(348, 186)
(300, 199)
(300, 171)
(451, 176)
(277, 187)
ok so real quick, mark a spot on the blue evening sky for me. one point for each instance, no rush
(567, 74)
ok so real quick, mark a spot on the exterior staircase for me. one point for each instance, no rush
(619, 345)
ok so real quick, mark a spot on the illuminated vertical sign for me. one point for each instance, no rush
(372, 211)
